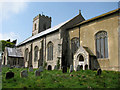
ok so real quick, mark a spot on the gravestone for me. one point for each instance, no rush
(78, 68)
(55, 68)
(99, 71)
(11, 67)
(17, 66)
(41, 68)
(24, 73)
(64, 69)
(71, 68)
(31, 68)
(37, 73)
(9, 75)
(8, 65)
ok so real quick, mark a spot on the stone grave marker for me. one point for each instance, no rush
(11, 67)
(78, 67)
(71, 68)
(37, 73)
(55, 68)
(99, 71)
(24, 73)
(31, 68)
(9, 75)
(8, 65)
(41, 68)
(17, 66)
(64, 69)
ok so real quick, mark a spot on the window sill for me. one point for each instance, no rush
(102, 58)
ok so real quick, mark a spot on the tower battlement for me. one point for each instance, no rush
(43, 16)
(41, 23)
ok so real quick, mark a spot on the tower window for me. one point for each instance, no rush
(35, 26)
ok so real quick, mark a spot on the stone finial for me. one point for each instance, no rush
(79, 11)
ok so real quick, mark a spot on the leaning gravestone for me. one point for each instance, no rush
(99, 71)
(37, 73)
(41, 68)
(30, 69)
(24, 73)
(64, 69)
(71, 68)
(9, 75)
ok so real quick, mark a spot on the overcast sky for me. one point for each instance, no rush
(16, 17)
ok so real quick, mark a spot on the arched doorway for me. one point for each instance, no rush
(49, 67)
(86, 67)
(81, 67)
(81, 58)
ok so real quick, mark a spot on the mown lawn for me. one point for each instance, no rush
(57, 79)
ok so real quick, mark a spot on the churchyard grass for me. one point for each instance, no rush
(57, 79)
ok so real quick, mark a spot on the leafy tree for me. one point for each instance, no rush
(58, 64)
(4, 44)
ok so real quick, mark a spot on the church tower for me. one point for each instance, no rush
(41, 23)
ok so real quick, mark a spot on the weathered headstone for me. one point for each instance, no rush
(55, 68)
(9, 75)
(41, 68)
(37, 73)
(78, 68)
(30, 68)
(71, 68)
(24, 73)
(11, 67)
(8, 65)
(64, 69)
(17, 66)
(99, 71)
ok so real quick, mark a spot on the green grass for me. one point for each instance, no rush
(57, 79)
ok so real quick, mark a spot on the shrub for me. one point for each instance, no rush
(58, 64)
(45, 64)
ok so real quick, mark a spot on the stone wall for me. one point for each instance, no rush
(87, 38)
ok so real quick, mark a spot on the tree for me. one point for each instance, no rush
(4, 44)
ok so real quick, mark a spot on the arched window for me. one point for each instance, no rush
(26, 54)
(50, 51)
(81, 58)
(101, 44)
(36, 53)
(35, 26)
(49, 67)
(74, 44)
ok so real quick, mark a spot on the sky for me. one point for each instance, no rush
(16, 18)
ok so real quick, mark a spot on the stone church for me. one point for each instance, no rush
(85, 44)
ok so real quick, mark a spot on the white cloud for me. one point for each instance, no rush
(9, 8)
(12, 36)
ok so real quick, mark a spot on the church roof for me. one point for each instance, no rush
(14, 52)
(55, 28)
(97, 17)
